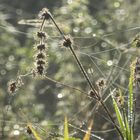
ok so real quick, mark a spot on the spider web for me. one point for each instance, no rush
(114, 71)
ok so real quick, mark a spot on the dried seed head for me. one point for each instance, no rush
(92, 94)
(41, 34)
(40, 55)
(67, 42)
(41, 47)
(12, 86)
(44, 14)
(29, 131)
(101, 83)
(40, 69)
(40, 62)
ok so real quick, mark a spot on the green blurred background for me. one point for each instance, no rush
(102, 33)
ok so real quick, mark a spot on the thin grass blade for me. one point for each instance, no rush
(131, 98)
(66, 131)
(119, 117)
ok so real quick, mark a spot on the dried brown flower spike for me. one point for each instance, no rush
(41, 48)
(41, 59)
